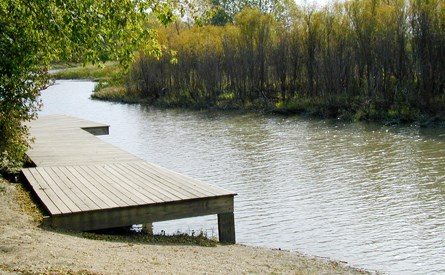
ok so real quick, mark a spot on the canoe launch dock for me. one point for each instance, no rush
(87, 184)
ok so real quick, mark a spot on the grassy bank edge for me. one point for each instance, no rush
(109, 72)
(318, 108)
(110, 78)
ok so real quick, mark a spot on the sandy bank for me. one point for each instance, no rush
(26, 248)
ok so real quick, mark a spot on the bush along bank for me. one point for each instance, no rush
(357, 111)
(356, 60)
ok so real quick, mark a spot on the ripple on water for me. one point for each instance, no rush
(370, 195)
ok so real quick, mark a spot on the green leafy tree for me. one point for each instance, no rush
(34, 33)
(226, 10)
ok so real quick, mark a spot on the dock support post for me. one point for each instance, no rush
(226, 228)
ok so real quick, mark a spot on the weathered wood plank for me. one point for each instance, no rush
(126, 179)
(105, 201)
(188, 184)
(58, 192)
(119, 217)
(113, 194)
(60, 141)
(181, 186)
(80, 192)
(67, 188)
(67, 122)
(45, 194)
(157, 184)
(86, 183)
(56, 199)
(123, 190)
(154, 188)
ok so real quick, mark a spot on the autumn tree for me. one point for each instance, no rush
(362, 59)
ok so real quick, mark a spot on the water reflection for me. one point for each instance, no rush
(370, 195)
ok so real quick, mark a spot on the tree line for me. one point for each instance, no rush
(370, 59)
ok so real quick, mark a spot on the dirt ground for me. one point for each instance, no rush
(26, 248)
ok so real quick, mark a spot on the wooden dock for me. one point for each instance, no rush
(87, 184)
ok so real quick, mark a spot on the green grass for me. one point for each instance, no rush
(108, 72)
(114, 94)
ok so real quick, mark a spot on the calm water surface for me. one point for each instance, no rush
(370, 195)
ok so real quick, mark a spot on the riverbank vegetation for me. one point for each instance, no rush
(110, 72)
(358, 60)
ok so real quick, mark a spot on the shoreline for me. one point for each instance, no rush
(110, 88)
(25, 247)
(117, 94)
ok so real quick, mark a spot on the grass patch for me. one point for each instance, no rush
(144, 238)
(114, 94)
(23, 198)
(293, 107)
(108, 72)
(26, 201)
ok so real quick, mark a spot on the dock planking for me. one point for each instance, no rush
(64, 141)
(87, 184)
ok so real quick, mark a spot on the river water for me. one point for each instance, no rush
(370, 195)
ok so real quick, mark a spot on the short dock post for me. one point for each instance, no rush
(226, 228)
